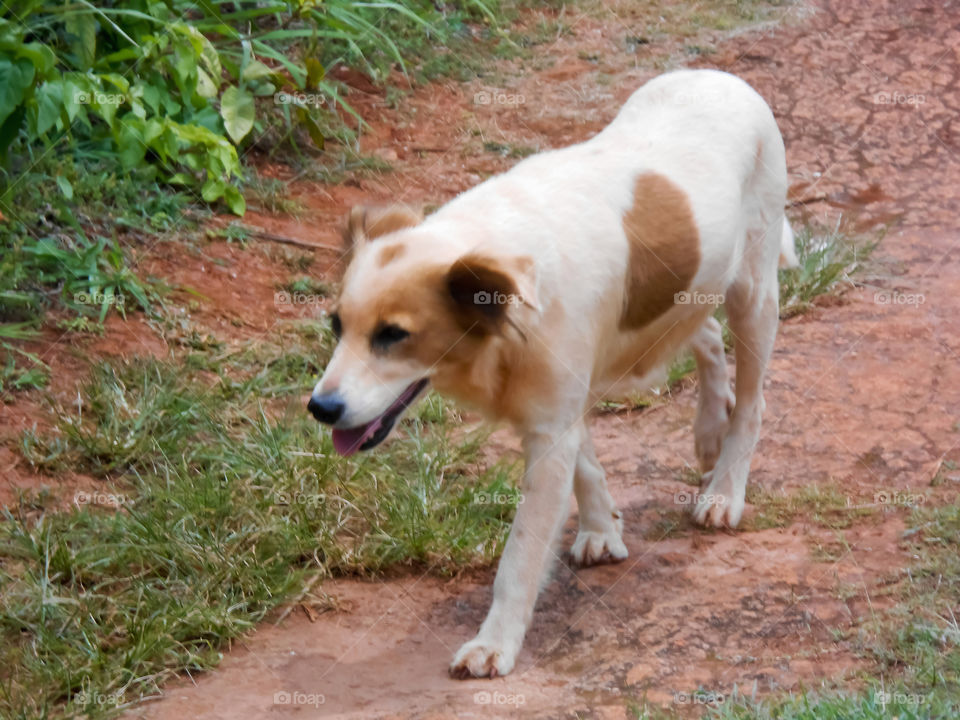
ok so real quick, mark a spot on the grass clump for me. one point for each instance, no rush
(828, 261)
(824, 505)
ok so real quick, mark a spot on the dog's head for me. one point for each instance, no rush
(411, 309)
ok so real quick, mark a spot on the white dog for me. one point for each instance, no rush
(568, 279)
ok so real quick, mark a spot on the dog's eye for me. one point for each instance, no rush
(387, 335)
(336, 325)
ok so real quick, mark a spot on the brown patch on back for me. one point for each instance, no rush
(664, 249)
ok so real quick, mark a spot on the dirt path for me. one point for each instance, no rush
(862, 396)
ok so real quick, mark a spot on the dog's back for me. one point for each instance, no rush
(695, 161)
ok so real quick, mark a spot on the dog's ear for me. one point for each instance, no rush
(365, 223)
(490, 293)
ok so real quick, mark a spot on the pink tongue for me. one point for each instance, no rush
(347, 442)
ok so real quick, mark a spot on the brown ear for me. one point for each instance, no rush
(486, 292)
(365, 223)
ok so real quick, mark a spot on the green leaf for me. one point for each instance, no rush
(77, 95)
(16, 77)
(130, 146)
(256, 70)
(234, 200)
(263, 89)
(83, 28)
(205, 86)
(65, 187)
(43, 58)
(107, 104)
(237, 110)
(9, 130)
(313, 129)
(315, 72)
(212, 189)
(49, 104)
(151, 96)
(118, 81)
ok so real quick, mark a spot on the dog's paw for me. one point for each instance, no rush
(480, 658)
(721, 503)
(592, 547)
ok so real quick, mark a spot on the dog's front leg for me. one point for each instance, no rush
(547, 484)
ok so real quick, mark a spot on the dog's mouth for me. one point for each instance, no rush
(369, 435)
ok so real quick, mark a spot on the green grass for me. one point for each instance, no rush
(212, 499)
(60, 253)
(829, 258)
(825, 505)
(271, 195)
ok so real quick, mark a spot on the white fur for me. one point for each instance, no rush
(713, 137)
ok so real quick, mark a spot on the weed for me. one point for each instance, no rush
(825, 505)
(306, 285)
(271, 195)
(828, 260)
(506, 150)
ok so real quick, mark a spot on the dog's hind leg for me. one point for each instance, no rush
(601, 524)
(716, 401)
(753, 313)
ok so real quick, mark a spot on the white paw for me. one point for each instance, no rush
(481, 658)
(592, 547)
(721, 503)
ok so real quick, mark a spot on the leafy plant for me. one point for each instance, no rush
(16, 376)
(180, 86)
(828, 259)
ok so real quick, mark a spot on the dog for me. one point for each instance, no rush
(575, 277)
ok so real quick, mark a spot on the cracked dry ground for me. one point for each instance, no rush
(861, 395)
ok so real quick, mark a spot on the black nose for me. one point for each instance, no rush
(326, 408)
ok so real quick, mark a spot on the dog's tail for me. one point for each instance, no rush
(788, 253)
